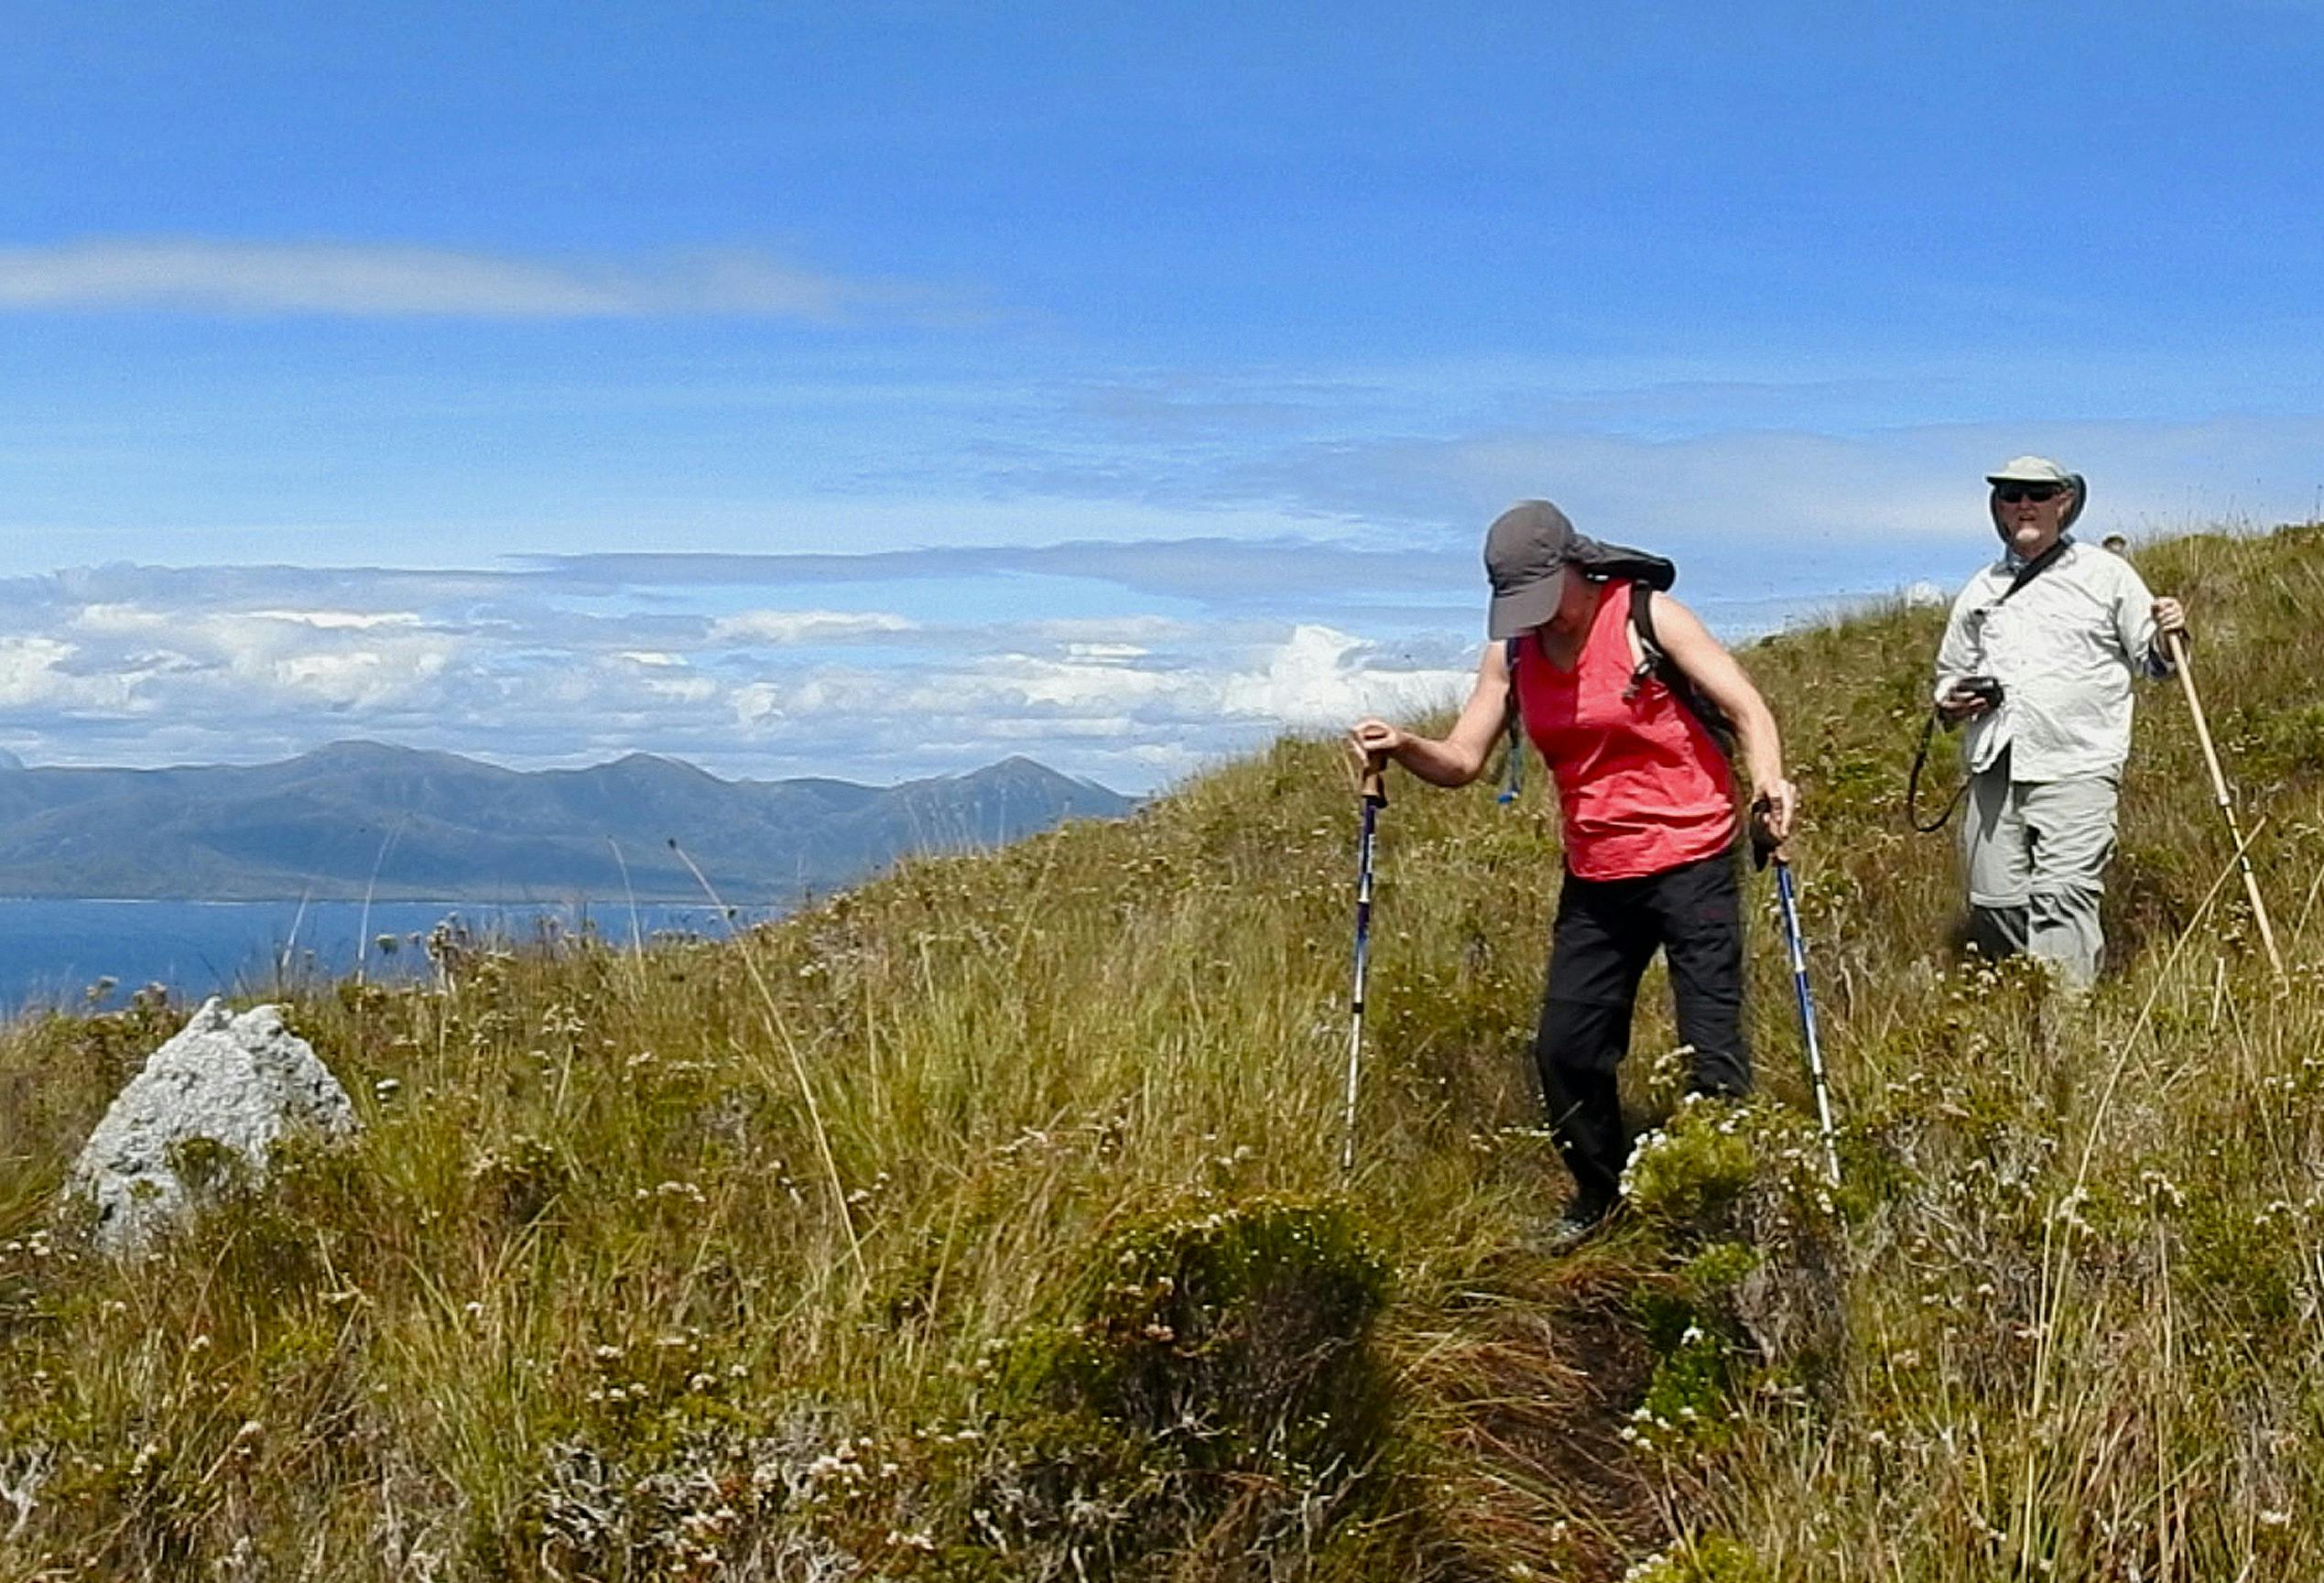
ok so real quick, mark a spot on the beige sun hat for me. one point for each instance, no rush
(2029, 470)
(2041, 469)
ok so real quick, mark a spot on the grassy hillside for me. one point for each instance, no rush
(986, 1223)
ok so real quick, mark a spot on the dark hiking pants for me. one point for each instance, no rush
(1606, 932)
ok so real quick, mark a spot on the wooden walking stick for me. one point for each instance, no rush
(2226, 802)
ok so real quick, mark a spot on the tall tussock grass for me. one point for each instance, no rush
(986, 1222)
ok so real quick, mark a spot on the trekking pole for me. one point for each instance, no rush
(2226, 803)
(1373, 793)
(1806, 1014)
(1763, 849)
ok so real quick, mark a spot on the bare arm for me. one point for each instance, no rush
(1711, 667)
(1458, 757)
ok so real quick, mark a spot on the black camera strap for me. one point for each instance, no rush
(2025, 574)
(2033, 569)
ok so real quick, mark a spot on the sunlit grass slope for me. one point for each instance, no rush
(987, 1223)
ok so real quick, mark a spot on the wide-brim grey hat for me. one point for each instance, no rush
(2041, 469)
(1526, 551)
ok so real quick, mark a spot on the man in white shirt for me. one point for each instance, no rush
(2037, 660)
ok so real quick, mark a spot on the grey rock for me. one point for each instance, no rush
(240, 1082)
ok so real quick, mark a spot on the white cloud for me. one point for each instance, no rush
(46, 678)
(1122, 629)
(757, 702)
(153, 656)
(31, 672)
(367, 679)
(365, 280)
(142, 665)
(1314, 678)
(1318, 678)
(803, 626)
(120, 620)
(340, 620)
(560, 663)
(684, 690)
(669, 677)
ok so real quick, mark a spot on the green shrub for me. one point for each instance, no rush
(1238, 1334)
(1708, 1559)
(1693, 1171)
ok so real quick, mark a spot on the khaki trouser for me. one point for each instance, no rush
(2036, 852)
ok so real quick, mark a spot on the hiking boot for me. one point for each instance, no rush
(1582, 1218)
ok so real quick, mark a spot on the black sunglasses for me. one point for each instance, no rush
(2010, 493)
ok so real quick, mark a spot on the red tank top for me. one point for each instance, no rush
(1642, 784)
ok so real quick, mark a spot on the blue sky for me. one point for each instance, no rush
(877, 389)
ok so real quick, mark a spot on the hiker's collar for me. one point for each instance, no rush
(2013, 562)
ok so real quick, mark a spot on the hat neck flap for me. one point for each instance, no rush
(1614, 562)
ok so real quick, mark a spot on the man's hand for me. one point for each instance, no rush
(1961, 704)
(2170, 617)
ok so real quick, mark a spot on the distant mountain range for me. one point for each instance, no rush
(437, 827)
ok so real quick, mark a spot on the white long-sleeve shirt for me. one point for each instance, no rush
(2064, 648)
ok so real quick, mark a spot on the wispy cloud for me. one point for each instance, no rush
(357, 280)
(1302, 576)
(1221, 572)
(1748, 510)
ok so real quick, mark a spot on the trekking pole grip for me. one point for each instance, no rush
(1373, 787)
(1764, 847)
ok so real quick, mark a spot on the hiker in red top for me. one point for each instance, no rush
(1627, 698)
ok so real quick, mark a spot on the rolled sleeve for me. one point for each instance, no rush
(2135, 627)
(1957, 655)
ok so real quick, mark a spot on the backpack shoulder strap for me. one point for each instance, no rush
(1653, 662)
(1651, 659)
(1515, 725)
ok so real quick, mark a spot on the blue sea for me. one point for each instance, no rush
(76, 953)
